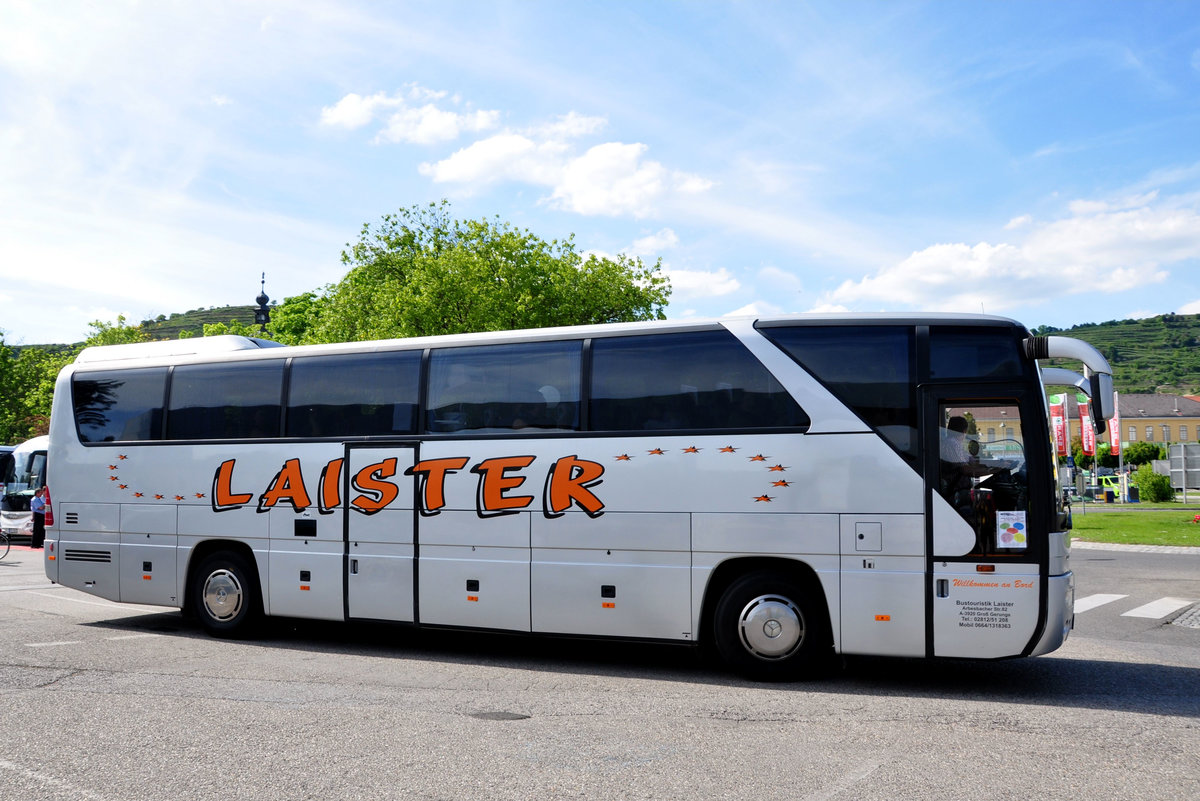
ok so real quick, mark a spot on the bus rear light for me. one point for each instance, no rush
(49, 520)
(985, 568)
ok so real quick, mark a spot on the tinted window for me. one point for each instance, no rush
(119, 405)
(225, 401)
(869, 368)
(505, 387)
(353, 395)
(702, 380)
(974, 353)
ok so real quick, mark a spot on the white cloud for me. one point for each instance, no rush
(759, 308)
(571, 125)
(429, 124)
(701, 283)
(1105, 246)
(1018, 222)
(780, 280)
(652, 245)
(506, 156)
(1190, 308)
(355, 111)
(609, 179)
(413, 124)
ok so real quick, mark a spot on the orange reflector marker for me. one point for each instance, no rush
(985, 568)
(51, 557)
(609, 605)
(304, 587)
(146, 578)
(472, 597)
(882, 618)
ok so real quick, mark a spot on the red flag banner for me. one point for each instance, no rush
(1086, 432)
(1058, 423)
(1114, 428)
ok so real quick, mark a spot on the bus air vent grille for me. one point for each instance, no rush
(80, 555)
(72, 518)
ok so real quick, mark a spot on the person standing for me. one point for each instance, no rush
(38, 507)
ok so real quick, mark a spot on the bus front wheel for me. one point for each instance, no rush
(225, 595)
(768, 627)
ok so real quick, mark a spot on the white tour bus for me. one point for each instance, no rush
(779, 488)
(22, 474)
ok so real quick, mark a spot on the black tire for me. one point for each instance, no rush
(225, 597)
(769, 626)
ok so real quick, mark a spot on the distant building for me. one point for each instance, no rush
(1151, 417)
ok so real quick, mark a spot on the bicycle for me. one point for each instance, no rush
(4, 545)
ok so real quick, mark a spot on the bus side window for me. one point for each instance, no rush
(119, 405)
(360, 394)
(703, 380)
(496, 388)
(225, 401)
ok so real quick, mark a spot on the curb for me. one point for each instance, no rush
(1113, 546)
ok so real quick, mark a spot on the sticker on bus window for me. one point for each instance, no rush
(1010, 530)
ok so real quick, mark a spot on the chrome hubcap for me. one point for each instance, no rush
(771, 627)
(222, 595)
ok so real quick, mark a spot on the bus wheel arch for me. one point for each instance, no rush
(223, 589)
(767, 618)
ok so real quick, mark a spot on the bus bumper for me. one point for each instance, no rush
(1060, 613)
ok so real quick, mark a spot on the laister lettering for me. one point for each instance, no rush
(377, 493)
(223, 497)
(431, 473)
(490, 498)
(288, 485)
(570, 481)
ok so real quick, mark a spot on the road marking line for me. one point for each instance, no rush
(1160, 608)
(47, 780)
(133, 607)
(52, 644)
(1092, 601)
(131, 636)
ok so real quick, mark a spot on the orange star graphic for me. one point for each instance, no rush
(123, 486)
(763, 499)
(158, 497)
(122, 457)
(199, 494)
(655, 452)
(179, 497)
(758, 458)
(728, 449)
(624, 457)
(114, 478)
(778, 468)
(139, 495)
(112, 467)
(782, 484)
(692, 449)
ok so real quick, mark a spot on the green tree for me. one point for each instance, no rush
(1152, 486)
(419, 272)
(1141, 452)
(1082, 460)
(115, 334)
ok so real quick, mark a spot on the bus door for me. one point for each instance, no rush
(984, 581)
(379, 527)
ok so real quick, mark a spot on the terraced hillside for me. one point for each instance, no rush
(1154, 354)
(169, 327)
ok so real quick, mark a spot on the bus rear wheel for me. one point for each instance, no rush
(767, 626)
(225, 595)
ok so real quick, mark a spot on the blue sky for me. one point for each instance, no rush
(1035, 160)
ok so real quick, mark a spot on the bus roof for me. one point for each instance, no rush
(172, 347)
(198, 348)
